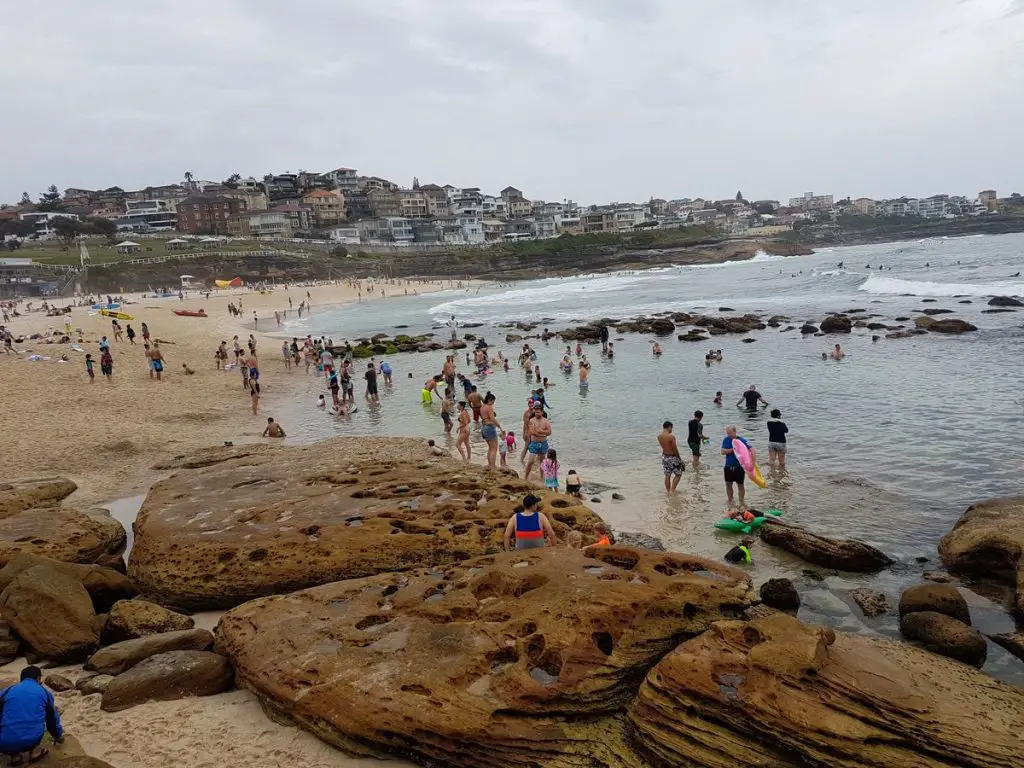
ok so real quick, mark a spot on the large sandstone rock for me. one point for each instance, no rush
(33, 520)
(498, 661)
(1005, 301)
(104, 585)
(943, 634)
(775, 693)
(836, 324)
(840, 554)
(940, 598)
(988, 541)
(168, 676)
(120, 657)
(52, 612)
(129, 619)
(277, 521)
(949, 325)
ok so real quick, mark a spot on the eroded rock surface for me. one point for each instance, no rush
(940, 598)
(841, 554)
(776, 693)
(281, 520)
(104, 585)
(33, 520)
(52, 612)
(120, 657)
(502, 660)
(988, 541)
(129, 619)
(168, 676)
(943, 634)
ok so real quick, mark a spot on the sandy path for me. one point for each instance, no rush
(106, 436)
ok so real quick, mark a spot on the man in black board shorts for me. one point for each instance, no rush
(695, 436)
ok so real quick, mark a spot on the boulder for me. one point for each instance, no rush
(988, 541)
(776, 693)
(661, 327)
(120, 657)
(936, 311)
(692, 335)
(836, 324)
(1005, 301)
(504, 660)
(512, 338)
(949, 325)
(906, 334)
(297, 517)
(807, 329)
(938, 598)
(9, 643)
(129, 619)
(52, 612)
(1011, 641)
(33, 520)
(91, 684)
(168, 676)
(780, 594)
(840, 554)
(871, 602)
(58, 683)
(945, 635)
(104, 585)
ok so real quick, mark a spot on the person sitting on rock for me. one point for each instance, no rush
(529, 526)
(27, 712)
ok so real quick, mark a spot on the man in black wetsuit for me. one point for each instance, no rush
(750, 398)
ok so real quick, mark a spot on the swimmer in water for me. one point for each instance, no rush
(837, 353)
(718, 398)
(656, 350)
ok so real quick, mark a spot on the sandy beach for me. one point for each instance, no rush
(106, 436)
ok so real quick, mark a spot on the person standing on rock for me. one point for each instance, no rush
(733, 469)
(530, 527)
(537, 433)
(671, 461)
(28, 712)
(604, 339)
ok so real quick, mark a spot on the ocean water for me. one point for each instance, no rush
(889, 445)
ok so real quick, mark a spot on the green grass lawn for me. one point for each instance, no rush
(100, 252)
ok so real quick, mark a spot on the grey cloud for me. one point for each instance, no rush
(591, 99)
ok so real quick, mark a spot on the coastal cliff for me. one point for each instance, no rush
(498, 263)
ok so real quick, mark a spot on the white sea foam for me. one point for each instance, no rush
(894, 286)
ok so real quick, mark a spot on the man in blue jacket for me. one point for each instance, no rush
(27, 711)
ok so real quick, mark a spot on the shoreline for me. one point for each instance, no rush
(107, 436)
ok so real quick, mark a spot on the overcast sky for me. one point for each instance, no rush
(596, 100)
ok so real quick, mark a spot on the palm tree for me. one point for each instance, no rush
(188, 179)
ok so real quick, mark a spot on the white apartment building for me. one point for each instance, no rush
(42, 221)
(811, 202)
(494, 207)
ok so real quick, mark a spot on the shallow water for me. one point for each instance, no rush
(889, 445)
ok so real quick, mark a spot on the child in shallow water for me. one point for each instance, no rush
(741, 552)
(549, 470)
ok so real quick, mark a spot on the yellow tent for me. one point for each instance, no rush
(236, 283)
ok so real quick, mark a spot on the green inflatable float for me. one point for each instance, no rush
(729, 524)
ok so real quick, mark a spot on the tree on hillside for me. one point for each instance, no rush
(25, 199)
(188, 180)
(739, 196)
(16, 227)
(98, 225)
(231, 182)
(51, 200)
(66, 229)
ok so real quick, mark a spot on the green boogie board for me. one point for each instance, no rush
(728, 524)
